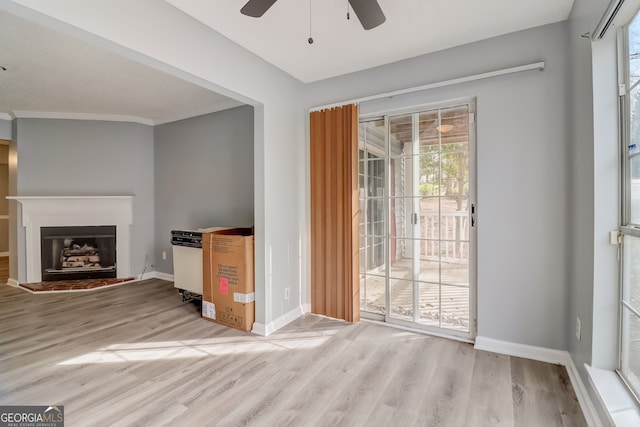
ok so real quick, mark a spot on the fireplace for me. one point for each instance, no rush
(72, 211)
(78, 252)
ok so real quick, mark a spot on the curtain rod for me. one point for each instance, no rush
(528, 67)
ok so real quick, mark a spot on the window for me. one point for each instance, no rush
(629, 358)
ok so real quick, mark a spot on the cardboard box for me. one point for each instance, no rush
(228, 296)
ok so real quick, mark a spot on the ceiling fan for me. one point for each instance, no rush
(368, 11)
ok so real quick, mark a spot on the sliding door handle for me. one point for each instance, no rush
(473, 215)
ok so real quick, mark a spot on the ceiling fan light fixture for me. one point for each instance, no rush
(445, 128)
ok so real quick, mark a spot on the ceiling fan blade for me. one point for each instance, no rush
(368, 12)
(256, 8)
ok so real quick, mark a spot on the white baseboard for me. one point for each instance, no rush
(287, 318)
(588, 408)
(269, 328)
(146, 275)
(259, 329)
(521, 350)
(547, 355)
(13, 282)
(158, 275)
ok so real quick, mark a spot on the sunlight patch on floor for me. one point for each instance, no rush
(187, 349)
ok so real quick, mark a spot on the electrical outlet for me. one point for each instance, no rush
(164, 255)
(287, 292)
(578, 328)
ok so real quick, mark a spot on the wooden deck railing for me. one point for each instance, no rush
(447, 235)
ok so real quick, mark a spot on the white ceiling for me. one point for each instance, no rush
(413, 27)
(55, 73)
(52, 73)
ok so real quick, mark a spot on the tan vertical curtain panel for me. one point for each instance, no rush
(335, 210)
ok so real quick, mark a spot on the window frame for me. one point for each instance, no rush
(627, 227)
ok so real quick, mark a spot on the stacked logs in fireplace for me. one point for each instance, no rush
(76, 256)
(85, 252)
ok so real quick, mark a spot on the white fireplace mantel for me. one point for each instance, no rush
(61, 211)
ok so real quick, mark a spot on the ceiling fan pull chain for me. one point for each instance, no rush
(348, 10)
(310, 40)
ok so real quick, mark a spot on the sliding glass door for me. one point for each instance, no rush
(417, 219)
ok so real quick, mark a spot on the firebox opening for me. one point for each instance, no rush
(79, 252)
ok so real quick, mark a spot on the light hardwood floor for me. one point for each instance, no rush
(136, 355)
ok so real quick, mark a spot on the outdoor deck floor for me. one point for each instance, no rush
(445, 306)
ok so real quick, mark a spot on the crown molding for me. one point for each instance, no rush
(220, 106)
(226, 105)
(82, 116)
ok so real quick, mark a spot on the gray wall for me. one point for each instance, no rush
(77, 157)
(204, 175)
(582, 20)
(522, 178)
(5, 129)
